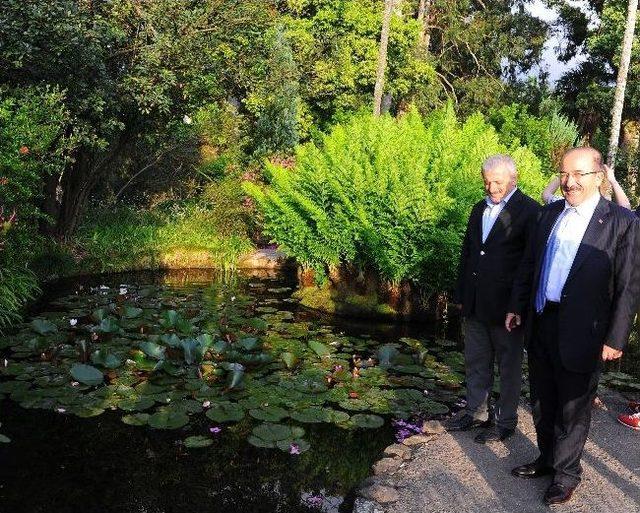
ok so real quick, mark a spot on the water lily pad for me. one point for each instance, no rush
(367, 421)
(274, 432)
(86, 411)
(278, 290)
(171, 340)
(43, 327)
(153, 350)
(136, 404)
(132, 312)
(312, 415)
(168, 420)
(294, 446)
(197, 442)
(226, 412)
(319, 348)
(289, 359)
(87, 374)
(109, 325)
(106, 359)
(248, 344)
(269, 413)
(259, 442)
(388, 354)
(236, 371)
(136, 419)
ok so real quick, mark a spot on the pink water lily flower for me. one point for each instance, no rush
(215, 430)
(294, 449)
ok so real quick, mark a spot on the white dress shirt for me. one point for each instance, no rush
(491, 213)
(570, 233)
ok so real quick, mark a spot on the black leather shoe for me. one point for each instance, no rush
(466, 422)
(494, 434)
(532, 470)
(558, 494)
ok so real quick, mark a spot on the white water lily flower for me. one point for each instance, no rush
(206, 404)
(61, 410)
(186, 120)
(233, 298)
(103, 287)
(75, 383)
(123, 291)
(6, 362)
(73, 322)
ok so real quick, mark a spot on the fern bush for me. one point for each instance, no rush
(392, 195)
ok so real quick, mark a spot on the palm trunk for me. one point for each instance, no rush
(621, 84)
(382, 56)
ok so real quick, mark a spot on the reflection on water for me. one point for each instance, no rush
(62, 463)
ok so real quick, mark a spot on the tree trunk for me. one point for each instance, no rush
(50, 205)
(621, 84)
(382, 56)
(424, 18)
(77, 182)
(631, 143)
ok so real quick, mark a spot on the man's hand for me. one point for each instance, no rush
(609, 353)
(512, 321)
(611, 176)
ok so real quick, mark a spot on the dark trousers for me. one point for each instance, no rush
(561, 401)
(484, 345)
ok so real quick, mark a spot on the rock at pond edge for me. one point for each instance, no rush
(398, 451)
(386, 466)
(380, 493)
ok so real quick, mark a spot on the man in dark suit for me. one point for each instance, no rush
(579, 286)
(493, 246)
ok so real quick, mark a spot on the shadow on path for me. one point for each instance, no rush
(455, 474)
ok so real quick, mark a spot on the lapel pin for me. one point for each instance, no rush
(600, 221)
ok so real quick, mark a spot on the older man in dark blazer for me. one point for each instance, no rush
(579, 285)
(493, 246)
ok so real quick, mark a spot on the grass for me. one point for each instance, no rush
(182, 237)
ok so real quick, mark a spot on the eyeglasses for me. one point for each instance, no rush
(576, 176)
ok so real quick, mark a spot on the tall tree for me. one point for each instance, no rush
(382, 56)
(621, 83)
(130, 70)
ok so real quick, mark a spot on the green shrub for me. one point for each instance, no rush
(33, 144)
(137, 238)
(548, 136)
(387, 194)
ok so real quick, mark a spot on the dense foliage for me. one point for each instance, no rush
(386, 194)
(32, 146)
(548, 135)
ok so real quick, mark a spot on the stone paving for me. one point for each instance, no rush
(453, 474)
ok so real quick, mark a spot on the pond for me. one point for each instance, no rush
(200, 391)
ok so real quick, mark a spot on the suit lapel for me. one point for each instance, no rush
(508, 213)
(589, 241)
(476, 214)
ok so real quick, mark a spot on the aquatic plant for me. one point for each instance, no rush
(170, 358)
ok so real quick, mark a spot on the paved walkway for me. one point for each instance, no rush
(455, 474)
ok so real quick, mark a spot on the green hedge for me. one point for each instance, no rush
(387, 194)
